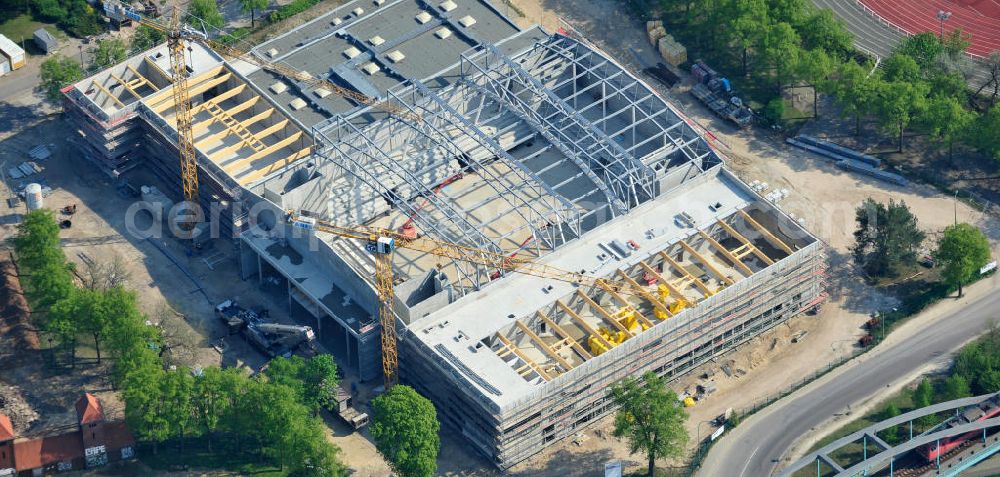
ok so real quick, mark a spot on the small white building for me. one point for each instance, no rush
(11, 56)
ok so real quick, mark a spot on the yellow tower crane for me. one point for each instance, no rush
(383, 242)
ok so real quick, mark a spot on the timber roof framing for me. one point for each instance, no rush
(770, 237)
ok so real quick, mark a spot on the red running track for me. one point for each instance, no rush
(980, 18)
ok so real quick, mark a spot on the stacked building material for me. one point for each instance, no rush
(671, 51)
(847, 159)
(655, 30)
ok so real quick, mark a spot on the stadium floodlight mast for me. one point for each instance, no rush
(943, 16)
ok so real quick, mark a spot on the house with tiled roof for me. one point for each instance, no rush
(94, 443)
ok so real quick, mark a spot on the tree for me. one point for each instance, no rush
(855, 90)
(205, 12)
(947, 121)
(987, 133)
(956, 42)
(886, 238)
(146, 38)
(251, 6)
(821, 30)
(924, 48)
(748, 21)
(781, 51)
(923, 396)
(898, 103)
(814, 66)
(792, 12)
(955, 387)
(314, 381)
(650, 417)
(901, 67)
(176, 392)
(109, 52)
(405, 431)
(992, 65)
(319, 376)
(963, 251)
(891, 435)
(57, 72)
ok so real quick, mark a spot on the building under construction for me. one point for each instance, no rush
(521, 142)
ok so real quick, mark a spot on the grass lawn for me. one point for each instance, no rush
(23, 26)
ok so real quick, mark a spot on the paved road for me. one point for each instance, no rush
(754, 448)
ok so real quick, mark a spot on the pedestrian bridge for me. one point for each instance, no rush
(981, 440)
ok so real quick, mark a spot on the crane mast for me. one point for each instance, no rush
(182, 106)
(382, 243)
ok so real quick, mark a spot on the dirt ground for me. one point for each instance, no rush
(823, 196)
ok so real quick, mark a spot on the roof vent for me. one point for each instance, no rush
(376, 40)
(322, 92)
(442, 33)
(351, 52)
(467, 21)
(370, 68)
(278, 88)
(448, 5)
(337, 21)
(297, 104)
(272, 52)
(358, 11)
(396, 56)
(423, 17)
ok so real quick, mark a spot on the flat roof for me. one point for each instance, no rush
(461, 325)
(319, 45)
(9, 48)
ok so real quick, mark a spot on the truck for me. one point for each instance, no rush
(271, 339)
(347, 412)
(717, 93)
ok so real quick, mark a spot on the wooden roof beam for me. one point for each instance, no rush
(604, 286)
(220, 98)
(652, 299)
(726, 253)
(538, 369)
(604, 313)
(126, 86)
(583, 324)
(225, 132)
(693, 279)
(747, 242)
(239, 164)
(544, 346)
(561, 332)
(142, 78)
(97, 84)
(166, 93)
(231, 111)
(274, 166)
(670, 286)
(774, 240)
(192, 91)
(702, 260)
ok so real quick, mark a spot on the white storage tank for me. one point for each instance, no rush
(33, 196)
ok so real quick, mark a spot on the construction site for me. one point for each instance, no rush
(524, 143)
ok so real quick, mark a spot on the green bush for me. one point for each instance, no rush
(297, 6)
(775, 110)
